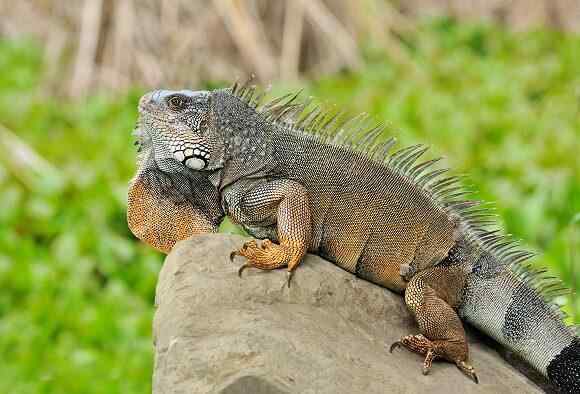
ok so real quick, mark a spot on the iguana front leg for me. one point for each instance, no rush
(285, 203)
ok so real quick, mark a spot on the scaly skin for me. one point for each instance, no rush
(388, 219)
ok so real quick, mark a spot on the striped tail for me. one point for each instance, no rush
(509, 307)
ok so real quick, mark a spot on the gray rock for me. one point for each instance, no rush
(329, 333)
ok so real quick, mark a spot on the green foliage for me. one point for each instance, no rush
(77, 289)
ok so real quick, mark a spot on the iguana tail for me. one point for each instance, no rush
(514, 308)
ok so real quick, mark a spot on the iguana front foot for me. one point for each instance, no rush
(268, 256)
(420, 344)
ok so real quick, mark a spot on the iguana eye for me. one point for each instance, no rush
(177, 102)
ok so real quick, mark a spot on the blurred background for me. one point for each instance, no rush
(493, 85)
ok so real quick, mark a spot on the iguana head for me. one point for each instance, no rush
(205, 131)
(169, 199)
(177, 126)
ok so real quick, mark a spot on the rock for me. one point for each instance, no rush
(329, 333)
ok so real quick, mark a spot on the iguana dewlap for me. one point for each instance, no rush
(306, 181)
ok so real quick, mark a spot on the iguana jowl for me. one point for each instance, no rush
(307, 181)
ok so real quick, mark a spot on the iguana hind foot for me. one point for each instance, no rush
(418, 344)
(432, 351)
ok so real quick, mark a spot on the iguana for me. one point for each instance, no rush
(305, 180)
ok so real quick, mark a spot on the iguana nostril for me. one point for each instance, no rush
(149, 98)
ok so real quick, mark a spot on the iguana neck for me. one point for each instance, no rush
(247, 138)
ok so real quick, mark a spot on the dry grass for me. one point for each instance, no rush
(517, 14)
(114, 44)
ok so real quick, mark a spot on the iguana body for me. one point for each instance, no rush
(385, 217)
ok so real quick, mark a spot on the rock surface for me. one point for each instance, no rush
(328, 333)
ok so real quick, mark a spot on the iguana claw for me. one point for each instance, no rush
(395, 345)
(242, 268)
(289, 275)
(467, 370)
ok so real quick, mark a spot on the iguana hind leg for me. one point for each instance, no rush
(431, 296)
(284, 202)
